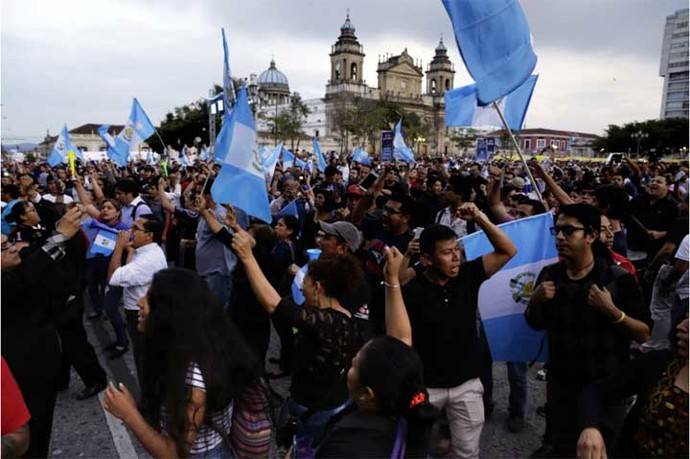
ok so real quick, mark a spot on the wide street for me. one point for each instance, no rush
(84, 429)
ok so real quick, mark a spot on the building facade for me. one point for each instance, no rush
(85, 138)
(674, 66)
(560, 143)
(401, 79)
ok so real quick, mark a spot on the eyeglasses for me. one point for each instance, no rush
(568, 230)
(138, 228)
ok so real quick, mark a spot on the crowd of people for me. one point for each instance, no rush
(381, 333)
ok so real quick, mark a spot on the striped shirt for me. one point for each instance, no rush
(207, 437)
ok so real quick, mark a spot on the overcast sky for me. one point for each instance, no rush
(79, 62)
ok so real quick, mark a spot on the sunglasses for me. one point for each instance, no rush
(568, 230)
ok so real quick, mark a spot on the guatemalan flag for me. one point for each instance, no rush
(271, 160)
(361, 156)
(104, 241)
(495, 44)
(138, 128)
(504, 296)
(240, 181)
(288, 158)
(401, 152)
(463, 108)
(63, 145)
(321, 161)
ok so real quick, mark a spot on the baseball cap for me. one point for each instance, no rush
(344, 230)
(518, 183)
(355, 190)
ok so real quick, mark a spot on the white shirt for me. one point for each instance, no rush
(135, 277)
(65, 198)
(683, 289)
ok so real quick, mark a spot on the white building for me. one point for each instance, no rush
(674, 66)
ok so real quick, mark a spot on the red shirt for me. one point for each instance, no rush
(14, 412)
(624, 263)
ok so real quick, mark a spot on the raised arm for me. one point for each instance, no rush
(85, 199)
(551, 184)
(504, 249)
(97, 192)
(494, 196)
(397, 322)
(242, 244)
(167, 205)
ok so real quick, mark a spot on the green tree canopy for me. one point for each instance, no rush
(668, 135)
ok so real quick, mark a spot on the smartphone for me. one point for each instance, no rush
(418, 232)
(369, 180)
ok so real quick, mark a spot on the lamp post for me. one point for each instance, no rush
(639, 136)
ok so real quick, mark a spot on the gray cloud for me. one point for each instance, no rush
(81, 61)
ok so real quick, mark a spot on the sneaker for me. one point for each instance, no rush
(541, 374)
(516, 424)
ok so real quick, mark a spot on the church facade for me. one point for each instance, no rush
(401, 79)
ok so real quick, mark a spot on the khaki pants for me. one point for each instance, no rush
(465, 412)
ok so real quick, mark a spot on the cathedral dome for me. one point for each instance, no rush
(272, 77)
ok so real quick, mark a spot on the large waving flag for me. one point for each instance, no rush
(137, 129)
(111, 150)
(63, 145)
(361, 156)
(400, 150)
(503, 297)
(228, 87)
(321, 161)
(240, 181)
(495, 44)
(463, 109)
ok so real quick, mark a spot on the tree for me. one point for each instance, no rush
(288, 124)
(668, 135)
(463, 138)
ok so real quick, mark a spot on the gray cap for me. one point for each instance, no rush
(346, 231)
(518, 183)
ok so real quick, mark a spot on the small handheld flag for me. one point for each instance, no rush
(401, 151)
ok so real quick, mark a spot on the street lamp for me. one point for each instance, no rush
(639, 136)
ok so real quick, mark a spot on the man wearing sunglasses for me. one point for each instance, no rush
(591, 310)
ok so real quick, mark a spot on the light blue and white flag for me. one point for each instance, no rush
(504, 296)
(320, 160)
(400, 150)
(463, 109)
(288, 158)
(240, 181)
(495, 43)
(184, 157)
(271, 161)
(360, 156)
(137, 129)
(300, 163)
(63, 145)
(228, 86)
(109, 140)
(104, 241)
(204, 153)
(289, 209)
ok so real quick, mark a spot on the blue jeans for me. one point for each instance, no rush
(221, 287)
(111, 304)
(517, 379)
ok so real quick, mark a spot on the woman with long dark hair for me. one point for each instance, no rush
(195, 365)
(391, 415)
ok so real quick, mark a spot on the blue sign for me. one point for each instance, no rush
(387, 145)
(482, 153)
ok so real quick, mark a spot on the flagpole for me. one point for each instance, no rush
(517, 147)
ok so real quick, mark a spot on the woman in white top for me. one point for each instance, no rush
(195, 364)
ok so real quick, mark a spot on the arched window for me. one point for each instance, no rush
(353, 72)
(447, 84)
(337, 70)
(433, 86)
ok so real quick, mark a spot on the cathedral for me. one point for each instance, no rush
(401, 79)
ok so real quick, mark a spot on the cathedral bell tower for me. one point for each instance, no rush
(440, 73)
(347, 57)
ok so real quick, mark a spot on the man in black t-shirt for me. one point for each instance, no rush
(442, 306)
(591, 310)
